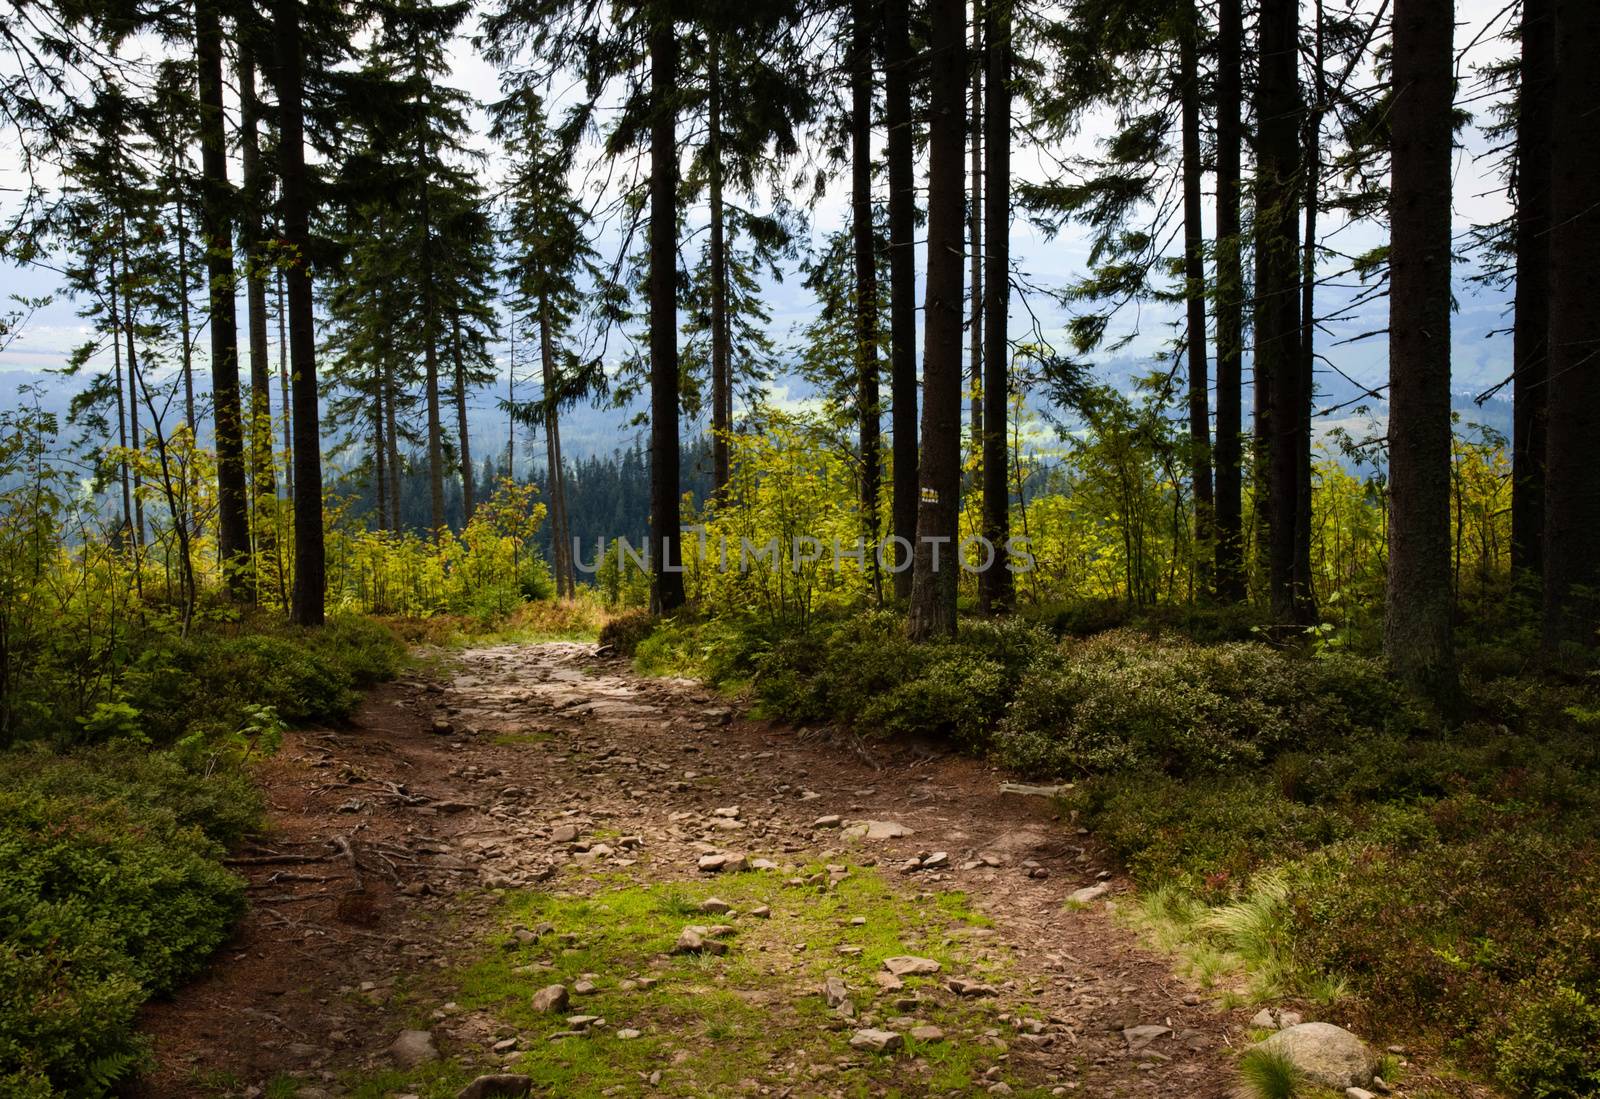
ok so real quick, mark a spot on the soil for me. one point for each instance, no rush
(392, 839)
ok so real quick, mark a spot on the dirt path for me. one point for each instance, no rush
(541, 816)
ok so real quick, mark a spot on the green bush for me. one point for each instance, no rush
(1123, 700)
(111, 891)
(1552, 1045)
(208, 685)
(626, 630)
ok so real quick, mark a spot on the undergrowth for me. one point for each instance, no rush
(1301, 826)
(114, 821)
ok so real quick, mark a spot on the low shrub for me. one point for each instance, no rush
(210, 684)
(625, 631)
(111, 890)
(1551, 1049)
(1124, 700)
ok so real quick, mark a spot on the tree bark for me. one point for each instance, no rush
(310, 578)
(995, 582)
(380, 457)
(868, 410)
(430, 357)
(1416, 634)
(1281, 394)
(560, 535)
(1572, 488)
(902, 284)
(468, 504)
(666, 594)
(263, 477)
(233, 519)
(185, 327)
(1194, 274)
(126, 530)
(935, 567)
(1531, 328)
(391, 401)
(975, 235)
(1229, 307)
(721, 375)
(285, 401)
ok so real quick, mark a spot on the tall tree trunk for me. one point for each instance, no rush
(135, 436)
(310, 576)
(391, 395)
(1311, 174)
(1572, 488)
(1278, 363)
(233, 518)
(1229, 307)
(1531, 328)
(935, 567)
(467, 501)
(721, 373)
(285, 402)
(995, 583)
(126, 529)
(380, 455)
(511, 400)
(868, 410)
(263, 478)
(1416, 633)
(902, 284)
(430, 357)
(560, 534)
(666, 593)
(1194, 276)
(185, 326)
(975, 235)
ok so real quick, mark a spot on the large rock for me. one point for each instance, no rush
(550, 998)
(500, 1085)
(906, 965)
(413, 1048)
(1328, 1055)
(876, 1041)
(876, 829)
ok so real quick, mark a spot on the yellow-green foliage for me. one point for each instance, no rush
(490, 567)
(768, 547)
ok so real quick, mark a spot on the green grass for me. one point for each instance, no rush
(1269, 1074)
(711, 1022)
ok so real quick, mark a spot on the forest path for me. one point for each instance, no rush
(537, 814)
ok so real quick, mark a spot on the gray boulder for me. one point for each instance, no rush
(1328, 1055)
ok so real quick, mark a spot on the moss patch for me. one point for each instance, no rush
(715, 1025)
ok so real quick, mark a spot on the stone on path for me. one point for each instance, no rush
(500, 1085)
(1329, 1056)
(413, 1048)
(550, 998)
(830, 821)
(906, 965)
(876, 829)
(715, 905)
(836, 992)
(927, 1034)
(761, 912)
(564, 833)
(715, 864)
(876, 1041)
(1138, 1037)
(1088, 893)
(694, 940)
(971, 989)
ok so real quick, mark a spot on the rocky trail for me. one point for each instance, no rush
(542, 870)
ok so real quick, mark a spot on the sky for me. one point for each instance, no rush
(1480, 357)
